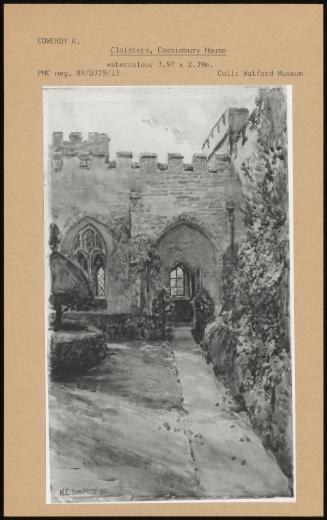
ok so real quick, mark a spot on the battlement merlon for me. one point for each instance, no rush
(227, 129)
(95, 144)
(147, 161)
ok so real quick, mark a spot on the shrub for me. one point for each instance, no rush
(163, 314)
(251, 343)
(70, 286)
(204, 313)
(76, 352)
(219, 342)
(127, 327)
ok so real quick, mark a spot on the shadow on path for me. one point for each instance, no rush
(229, 458)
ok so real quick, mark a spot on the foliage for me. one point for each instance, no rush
(123, 326)
(54, 237)
(120, 227)
(251, 341)
(229, 283)
(139, 250)
(220, 342)
(120, 327)
(134, 258)
(256, 291)
(163, 314)
(70, 287)
(204, 313)
(74, 353)
(143, 258)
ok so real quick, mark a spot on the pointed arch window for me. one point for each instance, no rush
(100, 282)
(89, 251)
(98, 274)
(179, 280)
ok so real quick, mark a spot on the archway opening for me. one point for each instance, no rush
(181, 283)
(188, 263)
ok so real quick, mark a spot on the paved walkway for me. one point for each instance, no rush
(229, 458)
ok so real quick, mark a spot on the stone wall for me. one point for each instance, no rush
(154, 197)
(95, 144)
(226, 132)
(153, 192)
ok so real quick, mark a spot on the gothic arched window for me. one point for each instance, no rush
(98, 274)
(100, 282)
(178, 281)
(89, 251)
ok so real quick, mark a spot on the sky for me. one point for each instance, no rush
(143, 119)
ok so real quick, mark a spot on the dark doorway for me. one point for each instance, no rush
(183, 310)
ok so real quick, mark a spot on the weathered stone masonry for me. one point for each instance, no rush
(180, 207)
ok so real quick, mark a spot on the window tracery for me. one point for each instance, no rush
(89, 251)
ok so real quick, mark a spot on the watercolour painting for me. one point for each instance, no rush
(169, 295)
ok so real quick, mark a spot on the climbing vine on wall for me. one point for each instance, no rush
(119, 258)
(145, 263)
(253, 330)
(260, 282)
(204, 313)
(143, 258)
(135, 258)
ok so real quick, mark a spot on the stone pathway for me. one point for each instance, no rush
(229, 458)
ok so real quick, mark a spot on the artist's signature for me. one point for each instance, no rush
(73, 492)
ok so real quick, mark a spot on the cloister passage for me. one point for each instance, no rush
(189, 261)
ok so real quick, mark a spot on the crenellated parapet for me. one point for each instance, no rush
(220, 145)
(226, 132)
(96, 145)
(147, 162)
